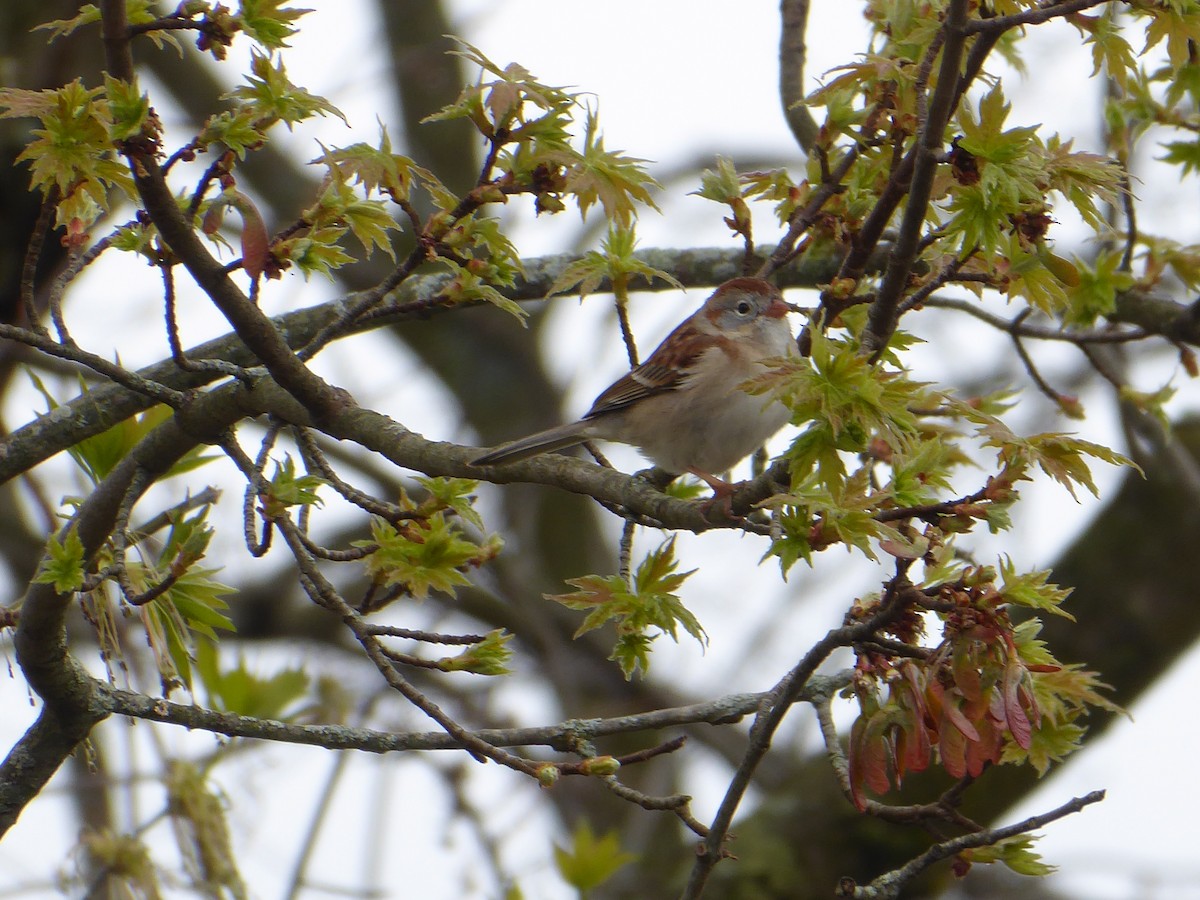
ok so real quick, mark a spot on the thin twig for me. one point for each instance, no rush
(429, 637)
(890, 885)
(315, 460)
(33, 254)
(1047, 10)
(256, 486)
(1031, 367)
(621, 302)
(1022, 329)
(132, 381)
(216, 366)
(770, 715)
(120, 543)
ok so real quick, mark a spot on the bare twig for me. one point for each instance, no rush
(1022, 329)
(1047, 10)
(1031, 367)
(255, 487)
(428, 637)
(214, 366)
(771, 712)
(315, 460)
(890, 885)
(725, 710)
(33, 253)
(153, 391)
(621, 302)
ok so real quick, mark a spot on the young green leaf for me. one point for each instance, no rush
(650, 602)
(428, 554)
(271, 97)
(488, 657)
(287, 488)
(590, 861)
(268, 21)
(62, 566)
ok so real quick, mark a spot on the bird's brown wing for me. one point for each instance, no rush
(646, 380)
(667, 369)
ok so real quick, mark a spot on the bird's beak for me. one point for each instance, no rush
(778, 309)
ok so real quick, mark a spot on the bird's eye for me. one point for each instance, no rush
(744, 307)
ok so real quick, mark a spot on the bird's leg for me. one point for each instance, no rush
(722, 492)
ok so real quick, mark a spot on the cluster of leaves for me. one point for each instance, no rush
(73, 154)
(989, 692)
(528, 125)
(615, 262)
(267, 22)
(642, 607)
(533, 122)
(867, 459)
(1000, 200)
(182, 600)
(877, 452)
(429, 548)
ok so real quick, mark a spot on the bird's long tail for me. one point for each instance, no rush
(543, 442)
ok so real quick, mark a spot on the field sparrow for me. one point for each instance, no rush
(684, 407)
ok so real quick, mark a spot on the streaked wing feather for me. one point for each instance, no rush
(644, 381)
(666, 369)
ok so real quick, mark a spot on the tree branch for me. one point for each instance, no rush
(889, 886)
(771, 712)
(256, 330)
(421, 296)
(881, 321)
(565, 735)
(792, 55)
(1050, 9)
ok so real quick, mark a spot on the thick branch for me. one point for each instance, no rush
(70, 695)
(418, 298)
(792, 54)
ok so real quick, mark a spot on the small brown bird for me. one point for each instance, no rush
(684, 407)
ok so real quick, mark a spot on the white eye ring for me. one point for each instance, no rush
(744, 307)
